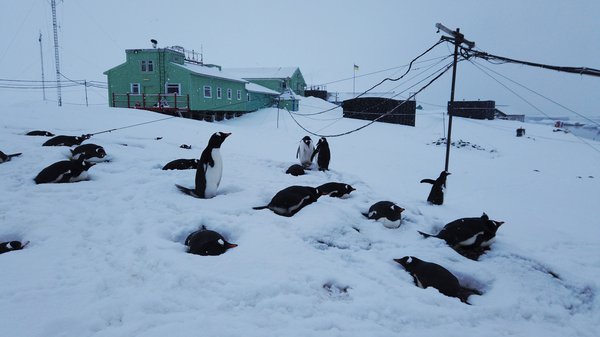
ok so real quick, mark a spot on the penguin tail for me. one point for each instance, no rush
(428, 181)
(425, 234)
(14, 155)
(187, 191)
(465, 293)
(366, 215)
(260, 207)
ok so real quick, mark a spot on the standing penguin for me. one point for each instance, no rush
(436, 196)
(210, 169)
(7, 157)
(426, 274)
(66, 171)
(324, 155)
(207, 242)
(387, 213)
(291, 200)
(468, 233)
(305, 151)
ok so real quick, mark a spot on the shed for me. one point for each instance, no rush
(372, 108)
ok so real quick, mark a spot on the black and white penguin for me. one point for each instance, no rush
(182, 164)
(436, 195)
(468, 232)
(210, 169)
(207, 242)
(40, 133)
(290, 200)
(427, 274)
(336, 190)
(305, 151)
(387, 213)
(88, 151)
(7, 157)
(66, 171)
(295, 170)
(63, 140)
(11, 245)
(323, 154)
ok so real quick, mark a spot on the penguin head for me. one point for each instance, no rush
(217, 139)
(84, 137)
(100, 153)
(497, 224)
(322, 141)
(408, 262)
(307, 140)
(14, 245)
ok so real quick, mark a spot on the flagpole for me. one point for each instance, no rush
(354, 81)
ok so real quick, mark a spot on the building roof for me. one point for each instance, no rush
(209, 71)
(263, 73)
(253, 87)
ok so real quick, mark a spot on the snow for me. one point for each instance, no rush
(106, 256)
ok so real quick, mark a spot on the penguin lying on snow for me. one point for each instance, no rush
(7, 157)
(305, 151)
(207, 242)
(210, 169)
(468, 232)
(66, 171)
(323, 154)
(182, 164)
(295, 170)
(427, 274)
(336, 190)
(66, 140)
(290, 200)
(436, 195)
(11, 245)
(88, 151)
(40, 133)
(386, 212)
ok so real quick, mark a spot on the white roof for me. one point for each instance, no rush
(209, 71)
(253, 87)
(263, 73)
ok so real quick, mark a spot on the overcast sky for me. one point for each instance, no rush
(325, 39)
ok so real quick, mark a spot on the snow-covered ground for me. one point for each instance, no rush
(106, 256)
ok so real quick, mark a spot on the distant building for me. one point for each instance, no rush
(274, 78)
(381, 109)
(174, 81)
(481, 110)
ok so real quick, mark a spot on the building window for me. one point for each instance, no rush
(229, 94)
(147, 66)
(219, 94)
(134, 88)
(173, 88)
(207, 91)
(239, 95)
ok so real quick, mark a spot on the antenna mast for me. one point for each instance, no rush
(42, 59)
(58, 85)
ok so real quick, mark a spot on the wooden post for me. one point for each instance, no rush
(128, 101)
(113, 99)
(144, 100)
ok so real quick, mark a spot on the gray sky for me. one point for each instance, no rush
(325, 39)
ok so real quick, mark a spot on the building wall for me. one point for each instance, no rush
(297, 83)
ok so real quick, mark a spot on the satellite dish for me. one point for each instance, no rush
(154, 43)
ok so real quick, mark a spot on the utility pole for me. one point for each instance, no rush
(56, 59)
(42, 59)
(457, 39)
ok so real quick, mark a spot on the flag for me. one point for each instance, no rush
(355, 67)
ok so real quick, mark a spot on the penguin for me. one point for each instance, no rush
(207, 242)
(11, 245)
(185, 146)
(387, 213)
(182, 164)
(66, 171)
(7, 157)
(66, 140)
(427, 274)
(336, 190)
(305, 151)
(290, 200)
(88, 151)
(436, 195)
(295, 170)
(469, 233)
(323, 154)
(209, 170)
(40, 133)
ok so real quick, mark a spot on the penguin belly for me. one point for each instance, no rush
(213, 174)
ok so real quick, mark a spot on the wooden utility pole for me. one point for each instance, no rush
(457, 39)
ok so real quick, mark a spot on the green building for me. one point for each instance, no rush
(173, 80)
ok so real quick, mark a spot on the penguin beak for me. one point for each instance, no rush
(225, 134)
(231, 245)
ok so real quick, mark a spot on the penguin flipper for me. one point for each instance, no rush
(465, 292)
(260, 207)
(428, 181)
(14, 155)
(187, 191)
(427, 235)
